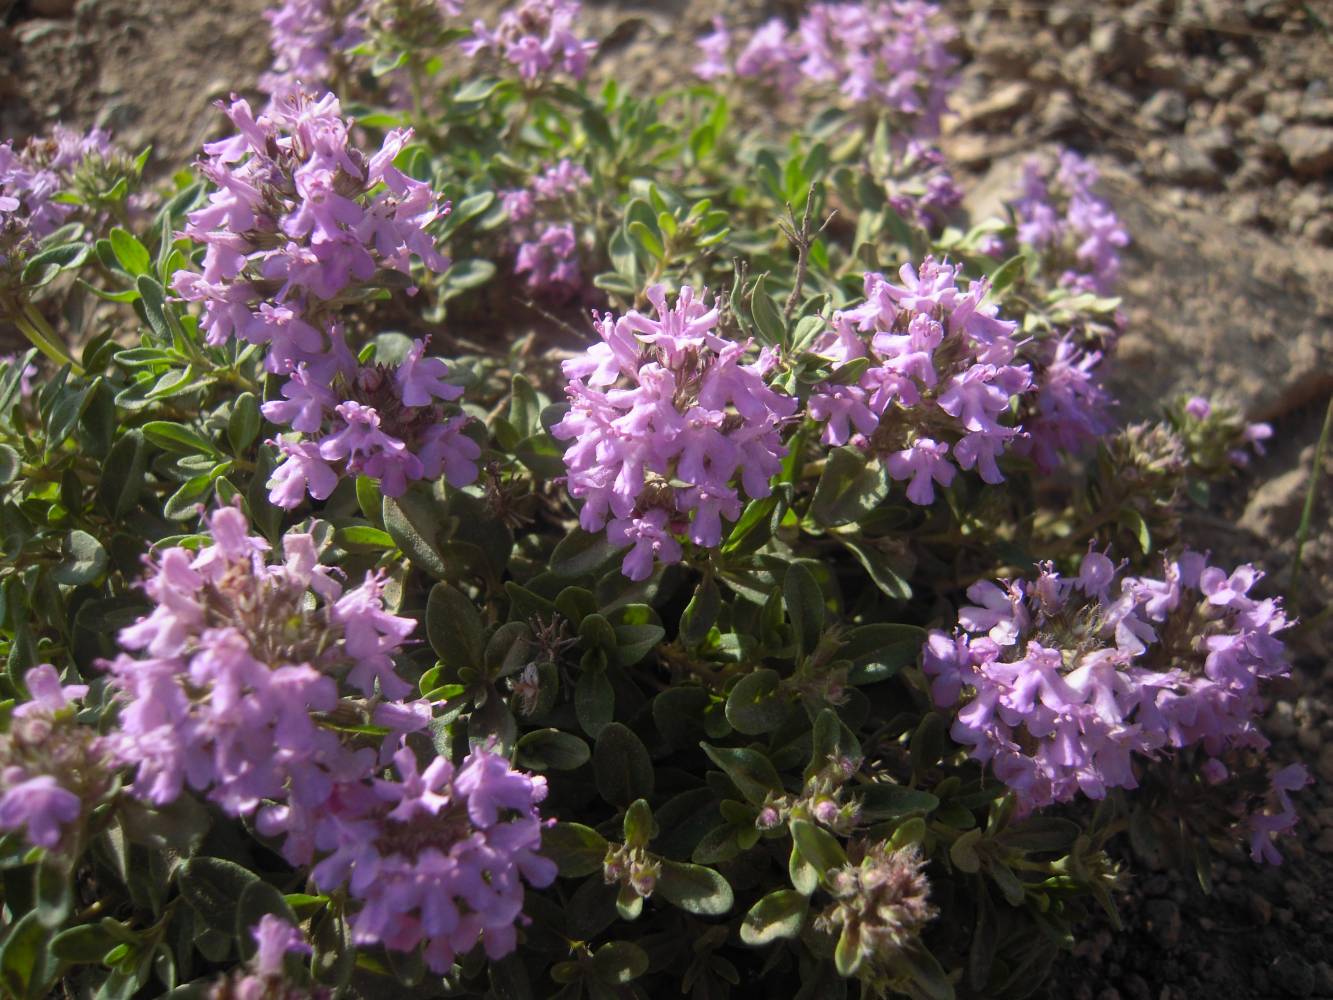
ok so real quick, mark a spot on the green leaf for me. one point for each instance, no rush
(678, 713)
(778, 916)
(1039, 834)
(9, 464)
(576, 849)
(638, 826)
(177, 438)
(618, 962)
(621, 766)
(594, 701)
(768, 320)
(598, 129)
(847, 955)
(244, 422)
(928, 743)
(750, 771)
(1011, 888)
(928, 975)
(153, 299)
(1007, 273)
(879, 651)
(701, 613)
(634, 642)
(1134, 523)
(694, 889)
(22, 955)
(83, 945)
(805, 606)
(885, 800)
(877, 566)
(132, 254)
(848, 488)
(83, 562)
(648, 239)
(55, 895)
(476, 90)
(963, 852)
(552, 750)
(123, 475)
(213, 887)
(582, 554)
(42, 268)
(754, 705)
(454, 628)
(412, 520)
(817, 846)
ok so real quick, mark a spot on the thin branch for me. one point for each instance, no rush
(801, 240)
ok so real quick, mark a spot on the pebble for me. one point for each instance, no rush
(1262, 908)
(1308, 148)
(1292, 975)
(1163, 919)
(1166, 109)
(1325, 764)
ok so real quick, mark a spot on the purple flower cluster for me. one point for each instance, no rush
(888, 53)
(668, 425)
(538, 37)
(1218, 435)
(1070, 409)
(547, 252)
(235, 658)
(1059, 215)
(306, 37)
(300, 218)
(1069, 679)
(32, 177)
(938, 379)
(438, 856)
(373, 420)
(264, 977)
(252, 681)
(921, 188)
(51, 767)
(1278, 814)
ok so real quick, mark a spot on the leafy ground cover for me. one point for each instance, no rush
(817, 611)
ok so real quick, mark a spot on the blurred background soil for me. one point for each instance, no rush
(1212, 123)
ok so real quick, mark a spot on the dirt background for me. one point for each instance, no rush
(1212, 121)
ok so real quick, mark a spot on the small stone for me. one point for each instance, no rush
(1323, 977)
(1060, 112)
(1262, 908)
(1001, 105)
(1137, 987)
(1186, 163)
(1292, 975)
(1308, 148)
(1110, 993)
(1308, 738)
(1245, 210)
(1324, 842)
(1163, 917)
(1167, 109)
(1317, 109)
(1282, 723)
(1225, 82)
(1300, 894)
(1325, 764)
(1319, 230)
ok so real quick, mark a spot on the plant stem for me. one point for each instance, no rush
(40, 334)
(1307, 513)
